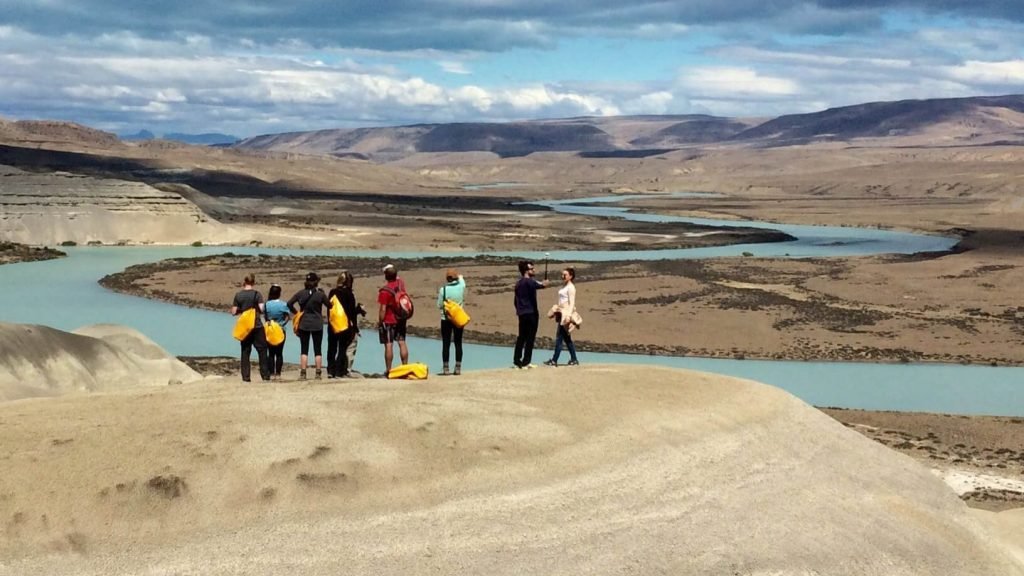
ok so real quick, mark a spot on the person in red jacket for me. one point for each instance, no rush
(391, 328)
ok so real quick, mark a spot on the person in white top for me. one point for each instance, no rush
(563, 315)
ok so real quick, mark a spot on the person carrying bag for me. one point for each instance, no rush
(450, 300)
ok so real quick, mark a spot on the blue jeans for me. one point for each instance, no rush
(562, 335)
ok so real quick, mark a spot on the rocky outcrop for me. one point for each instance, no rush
(58, 208)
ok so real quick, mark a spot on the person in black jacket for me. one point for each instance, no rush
(310, 301)
(337, 344)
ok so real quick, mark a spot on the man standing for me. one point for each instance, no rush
(529, 315)
(247, 298)
(389, 326)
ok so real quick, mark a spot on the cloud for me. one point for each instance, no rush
(256, 66)
(661, 102)
(995, 9)
(729, 83)
(453, 67)
(1007, 73)
(455, 24)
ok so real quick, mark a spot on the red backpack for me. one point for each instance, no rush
(401, 306)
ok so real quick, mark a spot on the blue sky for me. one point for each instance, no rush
(254, 67)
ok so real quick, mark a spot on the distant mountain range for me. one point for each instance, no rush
(981, 120)
(207, 139)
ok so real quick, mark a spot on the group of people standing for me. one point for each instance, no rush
(305, 309)
(563, 312)
(312, 307)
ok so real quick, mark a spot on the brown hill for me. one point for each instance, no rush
(998, 114)
(971, 121)
(49, 132)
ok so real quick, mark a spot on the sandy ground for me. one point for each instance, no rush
(980, 457)
(503, 472)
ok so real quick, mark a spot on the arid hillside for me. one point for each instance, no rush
(949, 121)
(932, 165)
(603, 470)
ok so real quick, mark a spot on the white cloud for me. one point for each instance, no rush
(89, 92)
(736, 83)
(453, 67)
(660, 102)
(472, 96)
(534, 99)
(1008, 72)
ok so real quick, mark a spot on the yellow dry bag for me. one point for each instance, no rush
(244, 325)
(275, 334)
(411, 371)
(337, 317)
(295, 323)
(455, 313)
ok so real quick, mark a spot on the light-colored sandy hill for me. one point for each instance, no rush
(41, 361)
(598, 470)
(60, 207)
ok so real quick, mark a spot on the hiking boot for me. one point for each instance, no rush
(458, 368)
(319, 374)
(551, 362)
(302, 374)
(444, 370)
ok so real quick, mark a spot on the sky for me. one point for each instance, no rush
(250, 67)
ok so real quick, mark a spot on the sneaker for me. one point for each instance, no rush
(573, 363)
(518, 367)
(550, 362)
(529, 367)
(319, 375)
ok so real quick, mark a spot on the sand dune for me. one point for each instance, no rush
(598, 470)
(42, 361)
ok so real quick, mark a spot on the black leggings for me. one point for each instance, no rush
(447, 331)
(276, 358)
(318, 338)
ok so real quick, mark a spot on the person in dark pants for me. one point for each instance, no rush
(310, 301)
(454, 290)
(247, 298)
(529, 315)
(276, 310)
(337, 344)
